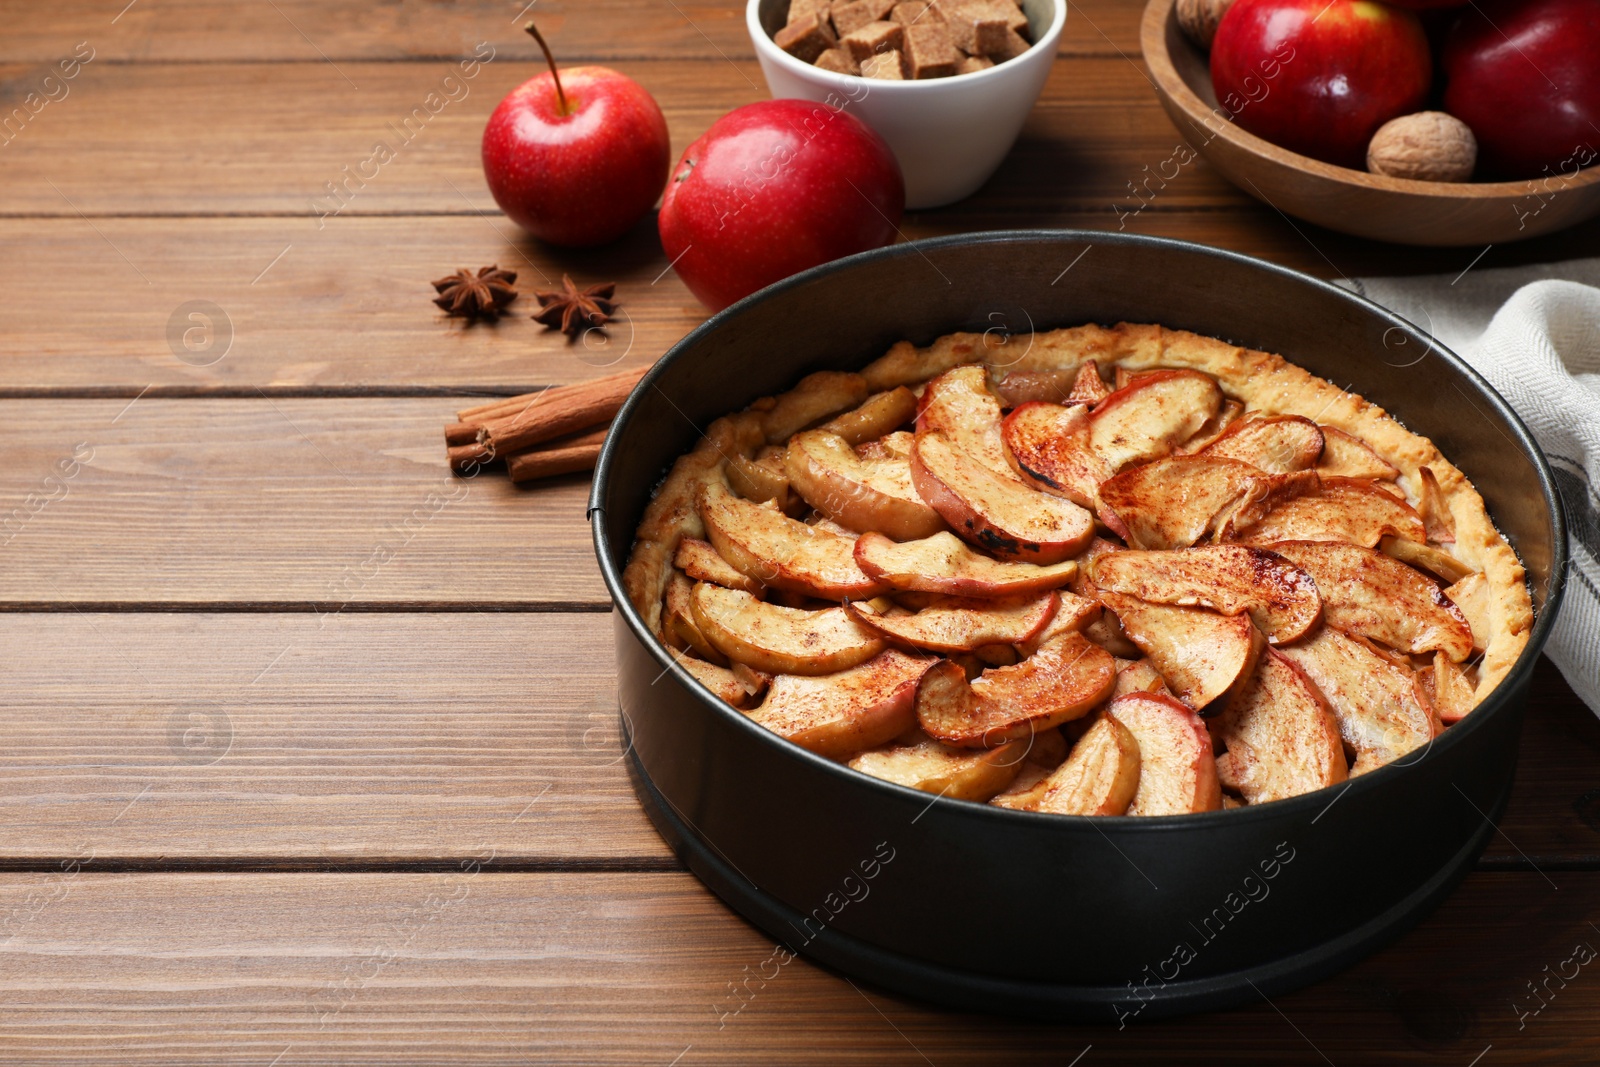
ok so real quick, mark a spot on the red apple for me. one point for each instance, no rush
(1525, 75)
(1319, 77)
(772, 189)
(576, 157)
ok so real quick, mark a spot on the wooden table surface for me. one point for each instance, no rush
(309, 749)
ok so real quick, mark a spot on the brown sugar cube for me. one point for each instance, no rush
(1014, 45)
(978, 31)
(884, 67)
(929, 53)
(838, 60)
(806, 39)
(1014, 17)
(850, 17)
(916, 12)
(873, 38)
(799, 10)
(973, 64)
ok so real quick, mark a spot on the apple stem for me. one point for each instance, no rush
(561, 96)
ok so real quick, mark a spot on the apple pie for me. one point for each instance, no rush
(1132, 571)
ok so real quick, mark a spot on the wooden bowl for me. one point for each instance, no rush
(1351, 201)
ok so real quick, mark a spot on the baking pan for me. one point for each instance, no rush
(1114, 920)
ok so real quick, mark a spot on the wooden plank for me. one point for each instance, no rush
(244, 139)
(302, 738)
(350, 309)
(474, 966)
(403, 738)
(309, 30)
(336, 504)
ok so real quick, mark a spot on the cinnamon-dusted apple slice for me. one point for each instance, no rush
(1214, 427)
(1177, 771)
(935, 767)
(1137, 676)
(760, 479)
(1281, 735)
(861, 493)
(1471, 596)
(1178, 501)
(814, 397)
(1088, 387)
(1062, 681)
(959, 405)
(754, 682)
(840, 715)
(781, 640)
(1075, 614)
(700, 561)
(1425, 557)
(964, 624)
(1100, 775)
(944, 564)
(1344, 456)
(1436, 517)
(722, 682)
(678, 613)
(998, 513)
(1371, 594)
(1049, 445)
(781, 552)
(1202, 655)
(1342, 509)
(1276, 444)
(1374, 698)
(1280, 598)
(881, 413)
(1151, 414)
(1446, 688)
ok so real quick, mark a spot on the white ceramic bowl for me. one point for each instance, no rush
(949, 134)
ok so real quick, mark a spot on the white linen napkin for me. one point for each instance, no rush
(1534, 332)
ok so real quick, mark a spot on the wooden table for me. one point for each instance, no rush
(309, 749)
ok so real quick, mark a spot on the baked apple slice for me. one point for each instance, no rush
(1471, 596)
(1177, 771)
(944, 564)
(840, 715)
(1373, 698)
(959, 405)
(1202, 655)
(813, 398)
(1075, 614)
(1280, 598)
(1179, 501)
(722, 682)
(1446, 688)
(781, 640)
(1370, 594)
(1099, 777)
(678, 614)
(1062, 681)
(881, 414)
(1436, 517)
(964, 624)
(1425, 557)
(1276, 444)
(1049, 445)
(1345, 456)
(1281, 735)
(1151, 414)
(1214, 427)
(700, 561)
(861, 493)
(760, 479)
(1137, 676)
(935, 767)
(768, 546)
(998, 513)
(1342, 509)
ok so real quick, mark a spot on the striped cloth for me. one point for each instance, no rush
(1534, 332)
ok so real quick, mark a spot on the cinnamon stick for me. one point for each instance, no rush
(560, 411)
(466, 458)
(578, 453)
(461, 433)
(510, 405)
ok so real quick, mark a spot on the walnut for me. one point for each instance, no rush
(1199, 19)
(1429, 146)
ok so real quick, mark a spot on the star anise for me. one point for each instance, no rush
(476, 296)
(572, 310)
